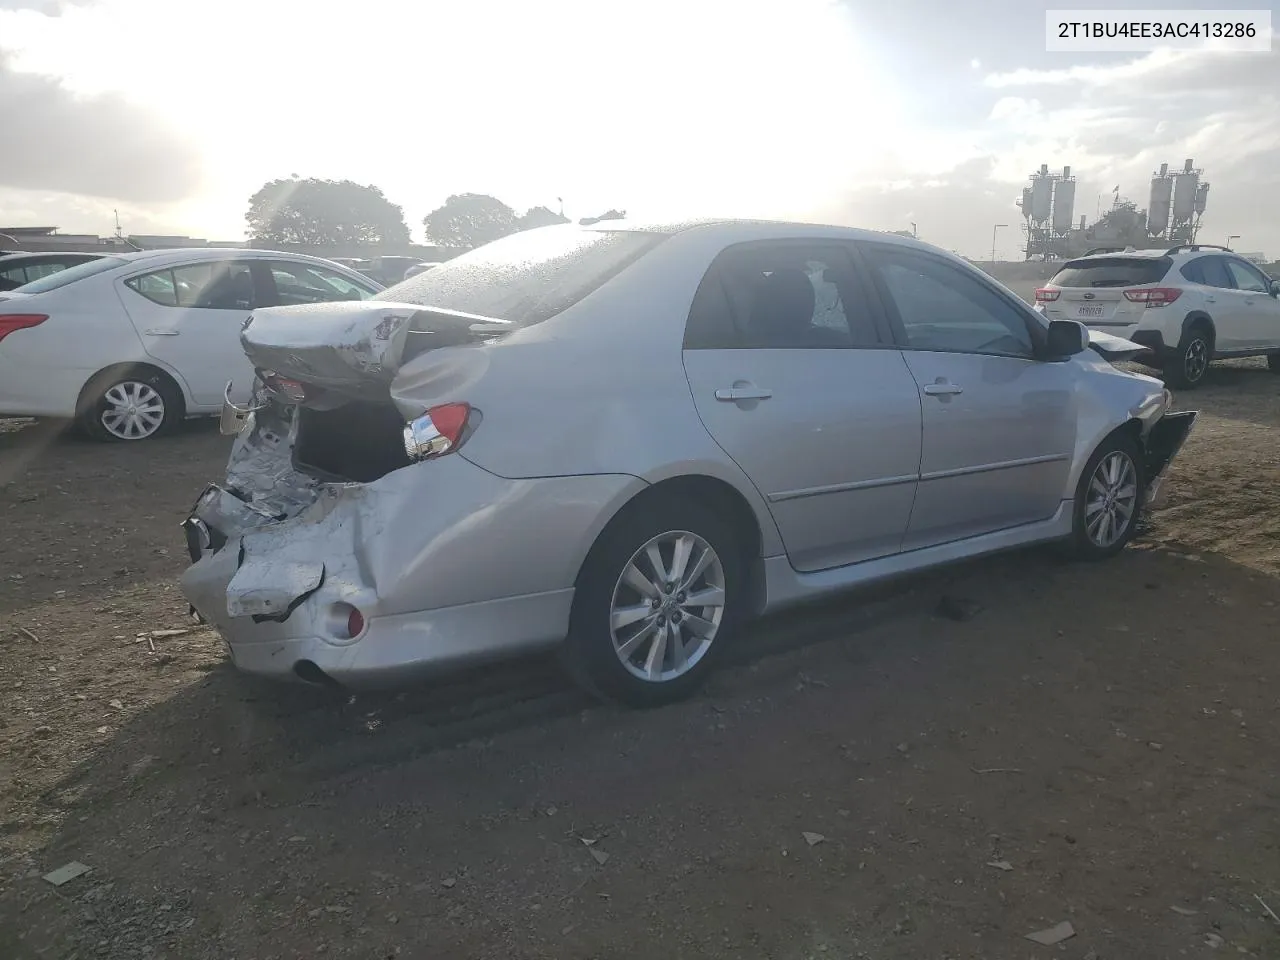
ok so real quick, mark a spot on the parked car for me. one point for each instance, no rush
(17, 269)
(1188, 305)
(129, 345)
(418, 268)
(625, 440)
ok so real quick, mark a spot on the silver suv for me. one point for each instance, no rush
(1189, 305)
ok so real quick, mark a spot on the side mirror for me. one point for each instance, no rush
(1275, 288)
(1067, 338)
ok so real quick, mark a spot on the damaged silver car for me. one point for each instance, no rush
(624, 440)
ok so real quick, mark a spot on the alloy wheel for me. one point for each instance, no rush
(1196, 360)
(132, 410)
(667, 606)
(1112, 499)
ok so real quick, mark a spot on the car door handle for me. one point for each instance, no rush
(1210, 300)
(943, 389)
(162, 333)
(733, 394)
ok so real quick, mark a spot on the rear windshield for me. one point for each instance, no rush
(527, 277)
(1112, 272)
(70, 275)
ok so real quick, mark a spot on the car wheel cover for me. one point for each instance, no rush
(1111, 499)
(1196, 359)
(667, 606)
(132, 410)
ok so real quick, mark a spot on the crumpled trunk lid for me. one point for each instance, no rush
(355, 348)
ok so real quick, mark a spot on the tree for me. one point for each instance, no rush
(469, 220)
(540, 217)
(324, 213)
(610, 215)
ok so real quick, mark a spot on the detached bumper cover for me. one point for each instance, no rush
(1163, 442)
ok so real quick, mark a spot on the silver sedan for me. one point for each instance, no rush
(624, 440)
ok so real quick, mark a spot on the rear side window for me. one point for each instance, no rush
(219, 285)
(1209, 271)
(527, 277)
(70, 275)
(298, 283)
(779, 296)
(1112, 272)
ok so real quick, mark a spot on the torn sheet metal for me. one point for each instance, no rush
(1115, 349)
(266, 586)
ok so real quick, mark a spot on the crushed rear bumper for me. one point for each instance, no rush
(1163, 443)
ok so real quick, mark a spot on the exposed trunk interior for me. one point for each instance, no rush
(358, 441)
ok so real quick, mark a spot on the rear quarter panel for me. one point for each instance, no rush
(598, 389)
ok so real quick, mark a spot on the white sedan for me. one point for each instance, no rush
(130, 345)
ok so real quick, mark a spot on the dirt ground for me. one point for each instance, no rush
(1096, 745)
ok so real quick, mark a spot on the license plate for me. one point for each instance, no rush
(1088, 311)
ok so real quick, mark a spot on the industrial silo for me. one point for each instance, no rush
(1160, 204)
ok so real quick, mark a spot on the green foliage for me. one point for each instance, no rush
(323, 213)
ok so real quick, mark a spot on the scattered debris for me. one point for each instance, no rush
(152, 644)
(1000, 864)
(1267, 908)
(588, 841)
(139, 766)
(1184, 911)
(903, 748)
(550, 811)
(67, 873)
(1156, 746)
(448, 883)
(598, 855)
(1213, 940)
(808, 681)
(812, 839)
(995, 770)
(1054, 934)
(116, 705)
(28, 634)
(958, 608)
(167, 634)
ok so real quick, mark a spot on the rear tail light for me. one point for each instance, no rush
(9, 322)
(437, 432)
(295, 391)
(1047, 295)
(1153, 296)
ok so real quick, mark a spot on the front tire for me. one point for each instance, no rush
(1108, 500)
(130, 406)
(1188, 363)
(659, 598)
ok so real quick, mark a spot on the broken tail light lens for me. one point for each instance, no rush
(1153, 296)
(1047, 295)
(295, 391)
(9, 322)
(436, 432)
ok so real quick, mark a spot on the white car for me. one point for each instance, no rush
(130, 345)
(1189, 305)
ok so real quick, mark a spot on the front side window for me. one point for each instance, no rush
(1247, 278)
(298, 283)
(943, 308)
(779, 296)
(217, 285)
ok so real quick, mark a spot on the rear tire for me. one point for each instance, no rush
(1187, 364)
(1108, 500)
(639, 636)
(126, 406)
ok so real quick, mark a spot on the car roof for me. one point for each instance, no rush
(742, 230)
(46, 254)
(217, 253)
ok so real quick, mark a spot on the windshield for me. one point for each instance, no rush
(1112, 272)
(527, 277)
(71, 275)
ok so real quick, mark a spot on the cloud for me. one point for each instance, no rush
(102, 146)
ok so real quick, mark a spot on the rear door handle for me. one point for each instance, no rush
(733, 394)
(943, 389)
(1210, 300)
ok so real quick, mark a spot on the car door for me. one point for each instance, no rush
(189, 316)
(1258, 312)
(999, 426)
(1222, 301)
(793, 379)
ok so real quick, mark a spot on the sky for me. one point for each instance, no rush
(861, 112)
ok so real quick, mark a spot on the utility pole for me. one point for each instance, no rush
(1234, 236)
(994, 230)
